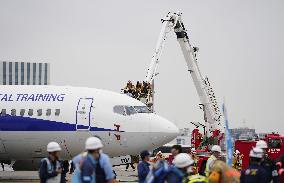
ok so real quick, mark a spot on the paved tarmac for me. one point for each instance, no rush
(32, 176)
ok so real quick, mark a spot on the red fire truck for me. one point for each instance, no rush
(275, 144)
(202, 146)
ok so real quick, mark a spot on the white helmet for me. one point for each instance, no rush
(256, 153)
(160, 152)
(261, 144)
(216, 148)
(53, 147)
(182, 160)
(93, 143)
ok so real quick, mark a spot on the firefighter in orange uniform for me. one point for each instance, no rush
(237, 160)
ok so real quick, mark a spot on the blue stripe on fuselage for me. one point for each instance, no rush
(19, 123)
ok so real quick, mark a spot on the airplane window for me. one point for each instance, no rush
(39, 112)
(22, 112)
(3, 112)
(48, 112)
(130, 110)
(13, 112)
(119, 109)
(31, 112)
(57, 112)
(142, 109)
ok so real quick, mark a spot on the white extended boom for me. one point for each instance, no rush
(208, 101)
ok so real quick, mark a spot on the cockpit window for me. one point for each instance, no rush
(130, 110)
(119, 109)
(142, 109)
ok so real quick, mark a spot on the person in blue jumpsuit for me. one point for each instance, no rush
(96, 166)
(255, 172)
(143, 166)
(50, 167)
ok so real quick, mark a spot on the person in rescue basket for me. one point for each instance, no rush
(96, 167)
(50, 168)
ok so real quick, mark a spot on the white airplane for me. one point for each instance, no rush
(32, 116)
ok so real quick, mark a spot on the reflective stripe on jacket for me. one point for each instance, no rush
(197, 179)
(48, 172)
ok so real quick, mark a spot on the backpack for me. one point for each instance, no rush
(100, 173)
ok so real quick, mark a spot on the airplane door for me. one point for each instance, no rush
(83, 113)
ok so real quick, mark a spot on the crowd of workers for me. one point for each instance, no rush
(138, 91)
(182, 167)
(93, 166)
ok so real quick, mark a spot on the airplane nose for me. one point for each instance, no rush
(162, 131)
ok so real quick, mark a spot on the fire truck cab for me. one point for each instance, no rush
(274, 142)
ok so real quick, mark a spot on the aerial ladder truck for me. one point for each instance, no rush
(213, 128)
(208, 102)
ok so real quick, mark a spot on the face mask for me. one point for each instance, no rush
(100, 151)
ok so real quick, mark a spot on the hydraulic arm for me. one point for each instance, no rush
(208, 102)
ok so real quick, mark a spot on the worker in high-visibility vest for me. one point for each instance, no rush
(215, 155)
(50, 167)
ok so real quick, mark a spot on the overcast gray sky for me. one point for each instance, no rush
(103, 44)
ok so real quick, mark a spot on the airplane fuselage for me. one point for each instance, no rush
(32, 116)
